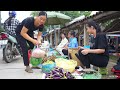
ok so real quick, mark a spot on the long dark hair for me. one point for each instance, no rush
(95, 25)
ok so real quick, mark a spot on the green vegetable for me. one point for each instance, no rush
(35, 61)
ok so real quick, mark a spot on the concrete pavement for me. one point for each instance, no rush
(15, 70)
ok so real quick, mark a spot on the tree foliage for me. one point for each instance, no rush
(72, 14)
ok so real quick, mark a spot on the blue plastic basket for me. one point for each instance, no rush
(87, 46)
(51, 49)
(48, 67)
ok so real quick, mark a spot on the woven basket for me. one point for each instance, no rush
(72, 52)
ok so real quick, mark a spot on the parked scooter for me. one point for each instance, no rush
(11, 49)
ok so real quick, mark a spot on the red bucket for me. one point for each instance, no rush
(29, 54)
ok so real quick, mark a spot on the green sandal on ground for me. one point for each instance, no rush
(103, 71)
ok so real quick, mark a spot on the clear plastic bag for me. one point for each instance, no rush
(38, 53)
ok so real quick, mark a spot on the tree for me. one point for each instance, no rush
(72, 14)
(34, 13)
(75, 14)
(86, 13)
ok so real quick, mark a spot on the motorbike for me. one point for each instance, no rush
(11, 49)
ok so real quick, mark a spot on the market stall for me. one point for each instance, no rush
(54, 66)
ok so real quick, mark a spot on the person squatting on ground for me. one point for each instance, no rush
(98, 54)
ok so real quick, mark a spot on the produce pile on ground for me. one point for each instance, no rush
(59, 73)
(51, 58)
(68, 65)
(48, 66)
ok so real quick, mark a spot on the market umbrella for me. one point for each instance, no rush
(55, 18)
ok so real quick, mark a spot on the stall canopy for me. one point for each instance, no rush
(55, 18)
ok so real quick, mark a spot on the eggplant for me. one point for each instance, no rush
(56, 68)
(48, 73)
(54, 72)
(56, 77)
(68, 77)
(50, 76)
(61, 74)
(46, 76)
(61, 70)
(68, 72)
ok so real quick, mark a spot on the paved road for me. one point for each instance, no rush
(15, 70)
